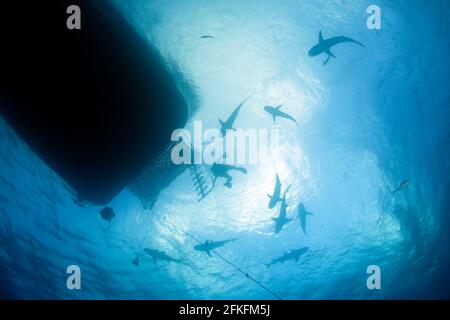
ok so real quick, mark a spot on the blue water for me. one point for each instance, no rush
(369, 119)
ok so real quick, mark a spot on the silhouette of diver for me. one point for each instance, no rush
(221, 170)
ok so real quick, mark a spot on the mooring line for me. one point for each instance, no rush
(225, 260)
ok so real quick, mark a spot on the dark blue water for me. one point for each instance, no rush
(369, 119)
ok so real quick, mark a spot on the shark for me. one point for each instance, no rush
(107, 214)
(282, 220)
(228, 124)
(207, 36)
(290, 255)
(276, 112)
(302, 214)
(210, 245)
(161, 256)
(325, 45)
(275, 197)
(402, 186)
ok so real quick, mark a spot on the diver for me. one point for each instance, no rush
(221, 170)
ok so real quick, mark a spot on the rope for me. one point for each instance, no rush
(141, 246)
(225, 260)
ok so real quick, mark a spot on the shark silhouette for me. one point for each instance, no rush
(302, 214)
(402, 186)
(161, 256)
(228, 124)
(325, 45)
(291, 255)
(282, 220)
(210, 245)
(275, 198)
(276, 112)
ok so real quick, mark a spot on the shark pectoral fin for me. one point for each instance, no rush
(275, 219)
(221, 122)
(208, 253)
(270, 197)
(274, 118)
(309, 213)
(329, 53)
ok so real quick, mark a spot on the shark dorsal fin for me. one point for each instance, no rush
(320, 36)
(279, 107)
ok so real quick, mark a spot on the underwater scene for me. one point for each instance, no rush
(351, 202)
